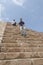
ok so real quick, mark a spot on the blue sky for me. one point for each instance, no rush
(31, 12)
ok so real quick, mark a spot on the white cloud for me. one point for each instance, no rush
(2, 8)
(0, 19)
(3, 1)
(18, 2)
(7, 18)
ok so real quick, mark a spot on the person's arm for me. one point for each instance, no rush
(23, 23)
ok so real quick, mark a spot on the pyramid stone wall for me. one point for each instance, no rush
(18, 50)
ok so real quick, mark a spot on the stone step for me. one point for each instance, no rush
(20, 55)
(11, 27)
(1, 38)
(15, 30)
(12, 31)
(18, 34)
(19, 37)
(2, 29)
(16, 41)
(8, 41)
(12, 34)
(1, 35)
(25, 38)
(16, 62)
(21, 44)
(11, 40)
(7, 34)
(36, 61)
(21, 49)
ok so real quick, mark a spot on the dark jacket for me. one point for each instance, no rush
(21, 23)
(14, 24)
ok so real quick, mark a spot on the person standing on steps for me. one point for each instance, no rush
(14, 23)
(22, 27)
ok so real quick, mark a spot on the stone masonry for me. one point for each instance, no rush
(18, 50)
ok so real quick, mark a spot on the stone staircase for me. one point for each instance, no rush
(18, 50)
(2, 28)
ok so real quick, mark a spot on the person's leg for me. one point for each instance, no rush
(21, 30)
(24, 30)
